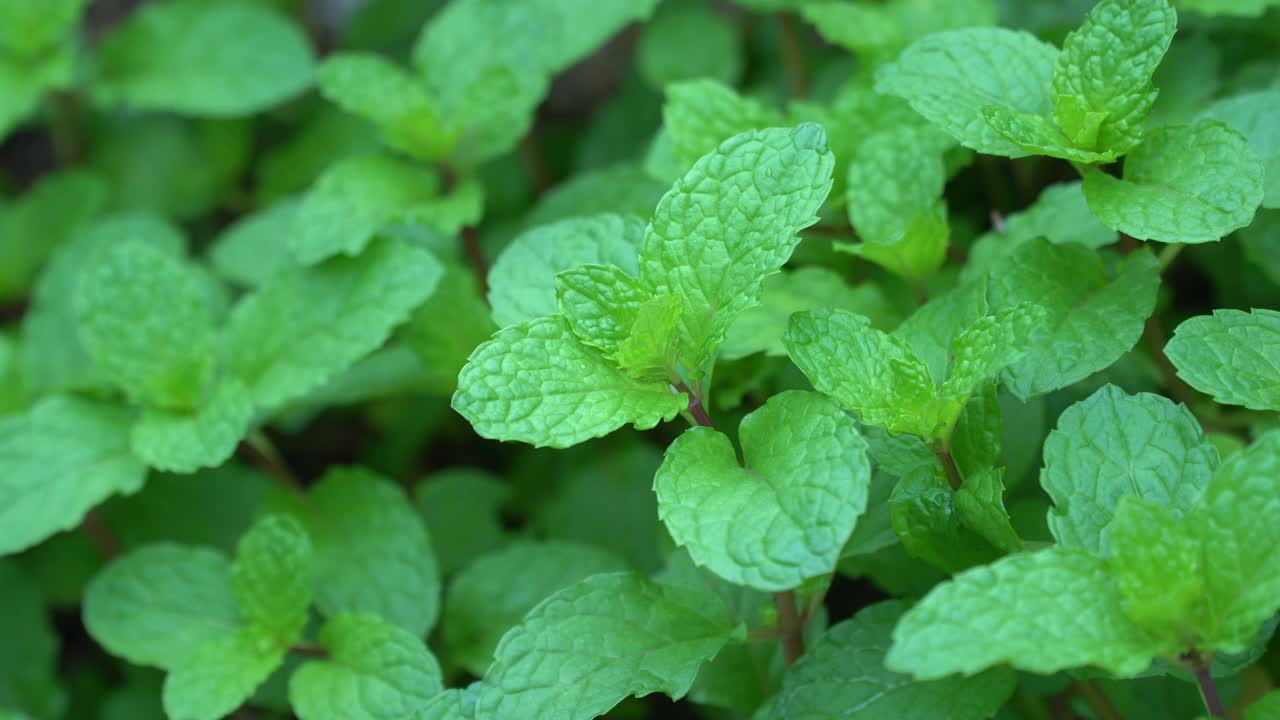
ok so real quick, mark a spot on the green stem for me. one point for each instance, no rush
(100, 534)
(1168, 254)
(1208, 688)
(943, 452)
(789, 625)
(259, 448)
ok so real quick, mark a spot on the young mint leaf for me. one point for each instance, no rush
(253, 249)
(272, 579)
(61, 458)
(952, 77)
(207, 436)
(855, 648)
(155, 605)
(29, 655)
(448, 705)
(220, 675)
(925, 516)
(353, 200)
(649, 350)
(600, 303)
(461, 508)
(396, 102)
(730, 222)
(931, 330)
(988, 346)
(700, 114)
(308, 324)
(782, 516)
(1257, 117)
(687, 41)
(522, 279)
(145, 321)
(1037, 134)
(1232, 355)
(1111, 446)
(1156, 562)
(1102, 79)
(977, 436)
(536, 383)
(879, 32)
(980, 504)
(492, 595)
(193, 57)
(374, 671)
(645, 638)
(1240, 539)
(1040, 612)
(1184, 183)
(372, 552)
(867, 371)
(1092, 319)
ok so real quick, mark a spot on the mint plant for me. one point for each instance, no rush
(554, 359)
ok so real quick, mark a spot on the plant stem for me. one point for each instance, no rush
(1168, 254)
(793, 55)
(943, 452)
(1097, 699)
(789, 625)
(258, 448)
(65, 120)
(101, 535)
(1208, 688)
(475, 256)
(696, 409)
(307, 650)
(535, 165)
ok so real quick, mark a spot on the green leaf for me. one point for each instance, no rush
(372, 552)
(645, 638)
(988, 346)
(1241, 544)
(931, 330)
(1156, 561)
(686, 41)
(229, 58)
(783, 515)
(61, 458)
(145, 321)
(1037, 134)
(1111, 446)
(622, 189)
(1261, 241)
(1232, 355)
(1092, 320)
(952, 77)
(184, 442)
(396, 102)
(306, 325)
(522, 279)
(493, 594)
(1257, 117)
(442, 347)
(1266, 707)
(536, 383)
(880, 31)
(28, 30)
(214, 508)
(649, 350)
(978, 433)
(1237, 8)
(1040, 612)
(272, 580)
(845, 670)
(980, 504)
(700, 114)
(1183, 183)
(156, 605)
(29, 655)
(34, 226)
(600, 303)
(924, 513)
(728, 223)
(220, 675)
(1102, 78)
(461, 508)
(253, 249)
(867, 371)
(374, 671)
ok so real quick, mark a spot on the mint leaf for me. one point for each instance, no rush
(34, 226)
(1037, 134)
(1040, 612)
(878, 32)
(442, 347)
(372, 552)
(207, 436)
(522, 279)
(494, 593)
(461, 508)
(1265, 708)
(1102, 78)
(1091, 319)
(1231, 355)
(600, 303)
(145, 321)
(61, 458)
(1184, 183)
(1111, 446)
(1156, 561)
(856, 648)
(622, 189)
(700, 114)
(980, 505)
(253, 249)
(1257, 117)
(536, 383)
(396, 102)
(375, 671)
(155, 605)
(932, 329)
(730, 222)
(216, 59)
(306, 325)
(988, 346)
(978, 433)
(926, 517)
(29, 656)
(220, 675)
(952, 77)
(271, 579)
(1061, 215)
(689, 41)
(27, 30)
(783, 515)
(658, 637)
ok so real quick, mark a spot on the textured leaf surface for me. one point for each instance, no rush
(493, 594)
(845, 673)
(951, 77)
(375, 88)
(600, 302)
(1232, 355)
(272, 580)
(1060, 214)
(980, 505)
(783, 516)
(220, 676)
(730, 222)
(61, 458)
(1257, 117)
(1041, 612)
(223, 59)
(184, 442)
(989, 345)
(587, 647)
(1182, 184)
(700, 114)
(879, 32)
(522, 279)
(307, 325)
(375, 671)
(1091, 319)
(1113, 445)
(1156, 561)
(536, 383)
(146, 323)
(926, 518)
